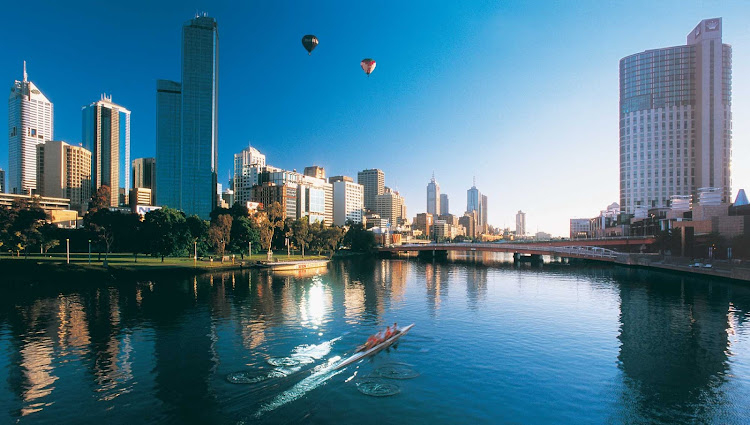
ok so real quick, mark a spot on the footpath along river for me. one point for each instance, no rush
(493, 343)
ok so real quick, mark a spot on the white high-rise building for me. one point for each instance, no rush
(520, 223)
(247, 167)
(30, 123)
(676, 120)
(433, 196)
(348, 201)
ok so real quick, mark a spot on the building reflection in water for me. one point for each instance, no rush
(476, 286)
(674, 347)
(38, 373)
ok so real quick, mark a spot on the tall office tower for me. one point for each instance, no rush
(200, 97)
(348, 200)
(483, 211)
(473, 199)
(374, 182)
(444, 204)
(2, 180)
(520, 223)
(390, 206)
(247, 167)
(30, 122)
(144, 175)
(433, 196)
(64, 171)
(675, 120)
(315, 171)
(106, 133)
(168, 145)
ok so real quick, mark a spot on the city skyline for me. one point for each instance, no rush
(494, 121)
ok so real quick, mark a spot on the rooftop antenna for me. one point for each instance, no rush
(474, 181)
(25, 76)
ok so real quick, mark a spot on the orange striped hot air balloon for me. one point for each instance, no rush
(368, 65)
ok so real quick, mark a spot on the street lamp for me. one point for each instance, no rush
(250, 249)
(67, 244)
(89, 251)
(195, 253)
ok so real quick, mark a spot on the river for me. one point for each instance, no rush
(493, 343)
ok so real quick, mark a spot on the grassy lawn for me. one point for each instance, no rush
(144, 261)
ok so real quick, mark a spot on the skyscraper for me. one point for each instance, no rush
(200, 94)
(473, 199)
(106, 133)
(390, 206)
(675, 120)
(483, 212)
(348, 200)
(144, 175)
(64, 171)
(520, 223)
(373, 181)
(168, 144)
(444, 204)
(30, 122)
(248, 165)
(433, 196)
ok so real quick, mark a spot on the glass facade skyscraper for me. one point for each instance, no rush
(675, 120)
(199, 110)
(168, 151)
(106, 133)
(433, 196)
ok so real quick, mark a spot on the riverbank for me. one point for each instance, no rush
(719, 268)
(38, 268)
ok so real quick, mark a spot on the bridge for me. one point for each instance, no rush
(588, 249)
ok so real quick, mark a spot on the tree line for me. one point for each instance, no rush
(168, 232)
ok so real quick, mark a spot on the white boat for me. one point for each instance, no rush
(374, 350)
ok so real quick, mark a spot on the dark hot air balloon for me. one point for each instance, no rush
(368, 65)
(310, 42)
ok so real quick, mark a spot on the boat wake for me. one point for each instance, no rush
(320, 375)
(284, 366)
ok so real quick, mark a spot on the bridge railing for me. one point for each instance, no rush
(580, 251)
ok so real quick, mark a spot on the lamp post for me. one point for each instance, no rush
(195, 253)
(250, 249)
(67, 244)
(89, 251)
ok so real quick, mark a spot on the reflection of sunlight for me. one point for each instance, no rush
(314, 304)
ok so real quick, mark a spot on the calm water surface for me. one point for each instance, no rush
(493, 343)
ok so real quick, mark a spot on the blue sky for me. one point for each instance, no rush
(522, 95)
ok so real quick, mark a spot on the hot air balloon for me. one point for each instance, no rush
(310, 42)
(368, 65)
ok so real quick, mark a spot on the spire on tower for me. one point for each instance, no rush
(474, 181)
(25, 76)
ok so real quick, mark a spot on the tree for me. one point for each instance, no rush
(100, 199)
(48, 238)
(101, 223)
(198, 229)
(24, 221)
(244, 231)
(359, 239)
(167, 232)
(219, 233)
(268, 221)
(331, 238)
(301, 233)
